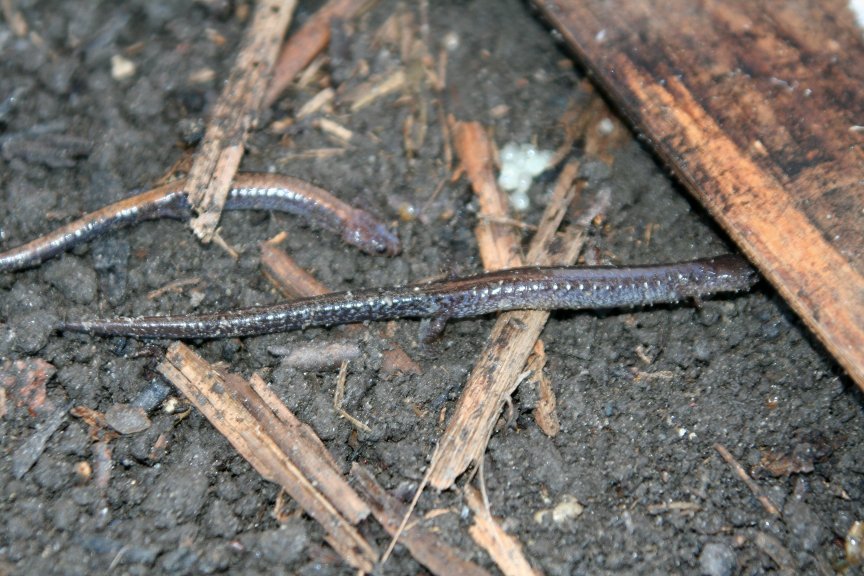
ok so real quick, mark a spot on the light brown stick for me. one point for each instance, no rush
(235, 114)
(544, 413)
(303, 46)
(286, 275)
(14, 18)
(301, 445)
(424, 545)
(226, 403)
(496, 373)
(752, 177)
(504, 549)
(297, 429)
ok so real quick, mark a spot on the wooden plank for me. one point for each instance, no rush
(757, 107)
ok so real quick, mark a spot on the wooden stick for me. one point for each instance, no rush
(544, 413)
(14, 18)
(258, 426)
(498, 241)
(504, 549)
(307, 42)
(235, 114)
(425, 546)
(496, 373)
(301, 445)
(323, 98)
(298, 429)
(372, 90)
(286, 275)
(787, 188)
(766, 502)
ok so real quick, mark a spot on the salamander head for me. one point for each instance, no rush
(733, 272)
(371, 236)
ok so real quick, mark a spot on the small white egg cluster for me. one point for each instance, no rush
(520, 163)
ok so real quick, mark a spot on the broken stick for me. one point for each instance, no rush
(496, 374)
(235, 114)
(505, 550)
(498, 243)
(286, 275)
(280, 448)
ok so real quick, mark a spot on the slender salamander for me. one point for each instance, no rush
(251, 191)
(533, 288)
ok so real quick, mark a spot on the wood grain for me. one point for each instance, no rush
(757, 107)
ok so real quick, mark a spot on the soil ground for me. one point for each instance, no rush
(643, 396)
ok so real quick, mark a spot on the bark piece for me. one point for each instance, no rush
(746, 102)
(544, 413)
(497, 241)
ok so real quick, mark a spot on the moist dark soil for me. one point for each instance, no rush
(643, 396)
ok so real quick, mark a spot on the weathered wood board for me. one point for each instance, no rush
(758, 106)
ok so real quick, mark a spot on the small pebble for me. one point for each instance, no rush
(284, 545)
(151, 396)
(804, 523)
(717, 559)
(451, 41)
(179, 561)
(29, 332)
(605, 127)
(121, 67)
(568, 509)
(127, 419)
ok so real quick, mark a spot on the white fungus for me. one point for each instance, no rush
(520, 163)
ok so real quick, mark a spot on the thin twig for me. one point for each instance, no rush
(339, 397)
(766, 502)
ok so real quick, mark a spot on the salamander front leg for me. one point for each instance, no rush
(432, 328)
